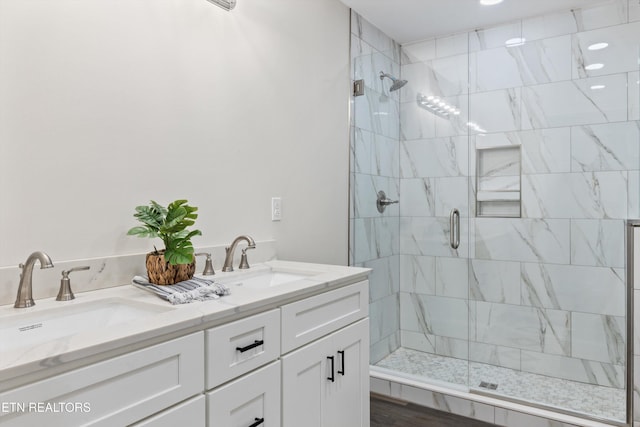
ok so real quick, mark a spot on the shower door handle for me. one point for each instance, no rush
(454, 228)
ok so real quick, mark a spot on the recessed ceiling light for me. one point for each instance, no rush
(597, 87)
(490, 2)
(516, 41)
(598, 46)
(592, 67)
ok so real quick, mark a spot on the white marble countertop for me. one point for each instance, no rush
(16, 361)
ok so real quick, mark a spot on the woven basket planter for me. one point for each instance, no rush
(160, 272)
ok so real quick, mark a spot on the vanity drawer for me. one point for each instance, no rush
(247, 400)
(241, 346)
(309, 319)
(190, 413)
(116, 392)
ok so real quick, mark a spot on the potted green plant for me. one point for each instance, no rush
(175, 262)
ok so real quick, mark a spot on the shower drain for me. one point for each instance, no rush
(489, 386)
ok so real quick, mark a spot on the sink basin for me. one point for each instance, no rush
(272, 278)
(24, 329)
(266, 278)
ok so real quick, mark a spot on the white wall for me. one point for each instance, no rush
(105, 104)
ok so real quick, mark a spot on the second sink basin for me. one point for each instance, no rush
(262, 278)
(271, 278)
(29, 328)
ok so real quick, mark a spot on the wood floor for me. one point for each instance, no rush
(391, 413)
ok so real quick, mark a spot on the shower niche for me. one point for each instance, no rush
(498, 181)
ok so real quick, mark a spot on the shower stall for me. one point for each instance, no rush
(514, 153)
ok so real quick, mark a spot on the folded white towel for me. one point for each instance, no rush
(195, 289)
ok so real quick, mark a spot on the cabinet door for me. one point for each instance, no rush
(310, 398)
(347, 402)
(252, 400)
(304, 378)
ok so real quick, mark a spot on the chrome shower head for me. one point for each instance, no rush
(397, 83)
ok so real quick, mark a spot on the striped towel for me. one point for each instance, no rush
(195, 289)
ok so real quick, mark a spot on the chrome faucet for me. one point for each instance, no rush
(24, 298)
(228, 260)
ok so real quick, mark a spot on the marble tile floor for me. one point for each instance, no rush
(596, 401)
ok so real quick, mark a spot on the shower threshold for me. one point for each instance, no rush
(605, 404)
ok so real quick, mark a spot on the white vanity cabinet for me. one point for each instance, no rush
(323, 346)
(304, 363)
(325, 383)
(117, 391)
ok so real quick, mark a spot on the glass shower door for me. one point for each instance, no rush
(555, 178)
(434, 221)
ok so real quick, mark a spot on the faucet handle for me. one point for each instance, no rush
(66, 273)
(65, 293)
(244, 264)
(208, 266)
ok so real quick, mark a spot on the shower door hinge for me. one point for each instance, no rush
(358, 87)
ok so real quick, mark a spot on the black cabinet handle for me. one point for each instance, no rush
(255, 344)
(332, 378)
(341, 353)
(258, 422)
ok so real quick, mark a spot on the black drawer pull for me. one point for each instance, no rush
(255, 344)
(332, 378)
(341, 353)
(258, 422)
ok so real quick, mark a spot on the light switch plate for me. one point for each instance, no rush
(276, 209)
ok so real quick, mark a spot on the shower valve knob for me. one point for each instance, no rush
(382, 201)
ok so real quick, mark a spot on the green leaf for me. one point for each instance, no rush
(179, 256)
(175, 221)
(158, 208)
(192, 234)
(149, 216)
(141, 232)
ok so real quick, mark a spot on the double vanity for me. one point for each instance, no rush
(288, 347)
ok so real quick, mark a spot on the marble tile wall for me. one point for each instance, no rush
(375, 159)
(545, 292)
